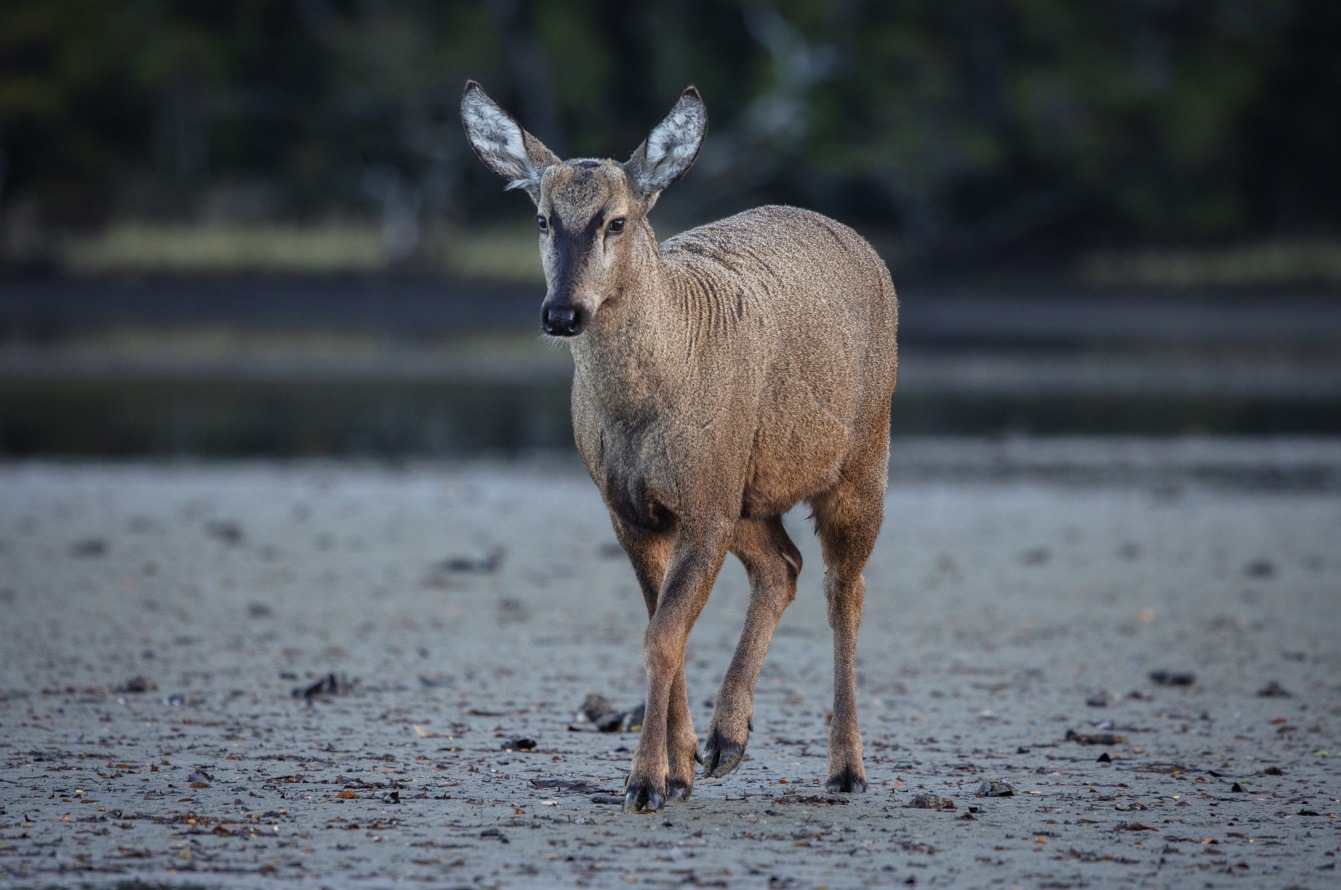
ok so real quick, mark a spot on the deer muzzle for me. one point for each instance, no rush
(562, 319)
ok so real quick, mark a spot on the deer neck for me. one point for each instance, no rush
(637, 347)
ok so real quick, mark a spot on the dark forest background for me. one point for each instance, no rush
(968, 132)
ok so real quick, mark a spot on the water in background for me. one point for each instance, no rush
(425, 368)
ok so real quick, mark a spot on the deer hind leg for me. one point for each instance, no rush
(694, 560)
(772, 562)
(847, 520)
(649, 553)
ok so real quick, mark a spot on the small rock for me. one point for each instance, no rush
(90, 547)
(348, 795)
(441, 575)
(1173, 678)
(482, 565)
(520, 743)
(1274, 690)
(1260, 568)
(136, 685)
(228, 532)
(512, 610)
(632, 720)
(995, 788)
(596, 709)
(1096, 738)
(331, 684)
(928, 801)
(1036, 557)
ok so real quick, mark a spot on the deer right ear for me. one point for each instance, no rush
(502, 144)
(670, 149)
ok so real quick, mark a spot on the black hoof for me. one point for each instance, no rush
(677, 790)
(847, 781)
(721, 756)
(641, 796)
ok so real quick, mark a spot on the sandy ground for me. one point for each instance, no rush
(155, 621)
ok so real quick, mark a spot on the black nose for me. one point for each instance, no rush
(562, 321)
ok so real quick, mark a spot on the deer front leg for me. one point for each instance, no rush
(772, 562)
(694, 562)
(649, 552)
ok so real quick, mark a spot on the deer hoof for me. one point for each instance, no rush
(642, 796)
(677, 789)
(848, 780)
(721, 756)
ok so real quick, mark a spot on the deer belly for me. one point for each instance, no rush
(794, 460)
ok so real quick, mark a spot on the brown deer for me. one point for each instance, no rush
(719, 379)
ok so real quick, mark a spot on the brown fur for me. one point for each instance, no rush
(721, 378)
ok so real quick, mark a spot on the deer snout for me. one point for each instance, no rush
(562, 320)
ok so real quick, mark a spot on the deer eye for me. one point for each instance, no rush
(542, 223)
(617, 225)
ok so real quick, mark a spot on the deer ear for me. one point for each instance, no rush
(670, 149)
(502, 144)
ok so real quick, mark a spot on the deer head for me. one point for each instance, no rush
(591, 213)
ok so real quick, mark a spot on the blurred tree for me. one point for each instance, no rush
(1291, 134)
(967, 127)
(1141, 106)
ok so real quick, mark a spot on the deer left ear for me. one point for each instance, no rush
(670, 149)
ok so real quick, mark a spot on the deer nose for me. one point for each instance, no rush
(562, 321)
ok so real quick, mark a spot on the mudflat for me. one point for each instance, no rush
(1099, 663)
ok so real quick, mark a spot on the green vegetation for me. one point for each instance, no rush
(492, 254)
(966, 129)
(1305, 263)
(222, 248)
(500, 254)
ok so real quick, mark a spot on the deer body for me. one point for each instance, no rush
(719, 379)
(718, 386)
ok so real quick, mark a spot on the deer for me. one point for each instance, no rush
(719, 379)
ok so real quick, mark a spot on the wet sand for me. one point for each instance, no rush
(158, 618)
